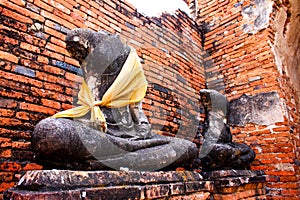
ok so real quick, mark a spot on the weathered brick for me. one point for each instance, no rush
(16, 16)
(5, 153)
(36, 108)
(51, 103)
(32, 166)
(56, 48)
(5, 185)
(157, 191)
(22, 115)
(43, 59)
(10, 121)
(22, 11)
(8, 56)
(20, 78)
(43, 5)
(10, 166)
(21, 145)
(6, 176)
(5, 142)
(6, 113)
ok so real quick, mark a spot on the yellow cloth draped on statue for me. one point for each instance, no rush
(129, 87)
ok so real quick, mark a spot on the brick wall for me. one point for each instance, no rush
(38, 77)
(241, 58)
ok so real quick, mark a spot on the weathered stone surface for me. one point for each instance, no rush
(176, 188)
(49, 195)
(66, 179)
(262, 109)
(287, 39)
(256, 16)
(157, 191)
(117, 185)
(68, 144)
(195, 186)
(235, 180)
(196, 196)
(114, 193)
(215, 175)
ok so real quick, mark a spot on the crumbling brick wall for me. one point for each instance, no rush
(38, 77)
(240, 39)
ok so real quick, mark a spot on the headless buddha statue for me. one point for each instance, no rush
(108, 128)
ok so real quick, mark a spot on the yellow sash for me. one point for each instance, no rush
(129, 87)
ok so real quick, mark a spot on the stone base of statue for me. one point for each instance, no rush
(67, 144)
(123, 185)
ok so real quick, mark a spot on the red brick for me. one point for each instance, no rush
(73, 77)
(21, 145)
(290, 192)
(22, 11)
(8, 56)
(10, 167)
(67, 20)
(30, 47)
(66, 106)
(6, 113)
(32, 166)
(9, 40)
(53, 70)
(19, 78)
(5, 153)
(286, 185)
(43, 5)
(53, 32)
(52, 54)
(22, 115)
(58, 42)
(36, 108)
(5, 185)
(43, 60)
(5, 142)
(54, 87)
(10, 122)
(281, 129)
(19, 2)
(68, 4)
(57, 49)
(51, 103)
(80, 17)
(83, 3)
(54, 79)
(16, 16)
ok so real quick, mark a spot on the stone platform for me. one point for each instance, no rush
(125, 185)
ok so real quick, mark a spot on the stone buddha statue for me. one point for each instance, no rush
(123, 137)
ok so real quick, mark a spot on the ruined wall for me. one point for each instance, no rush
(245, 61)
(38, 76)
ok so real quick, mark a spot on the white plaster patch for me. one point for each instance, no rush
(256, 16)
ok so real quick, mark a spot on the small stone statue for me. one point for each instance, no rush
(218, 151)
(117, 137)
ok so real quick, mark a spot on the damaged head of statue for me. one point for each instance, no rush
(80, 42)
